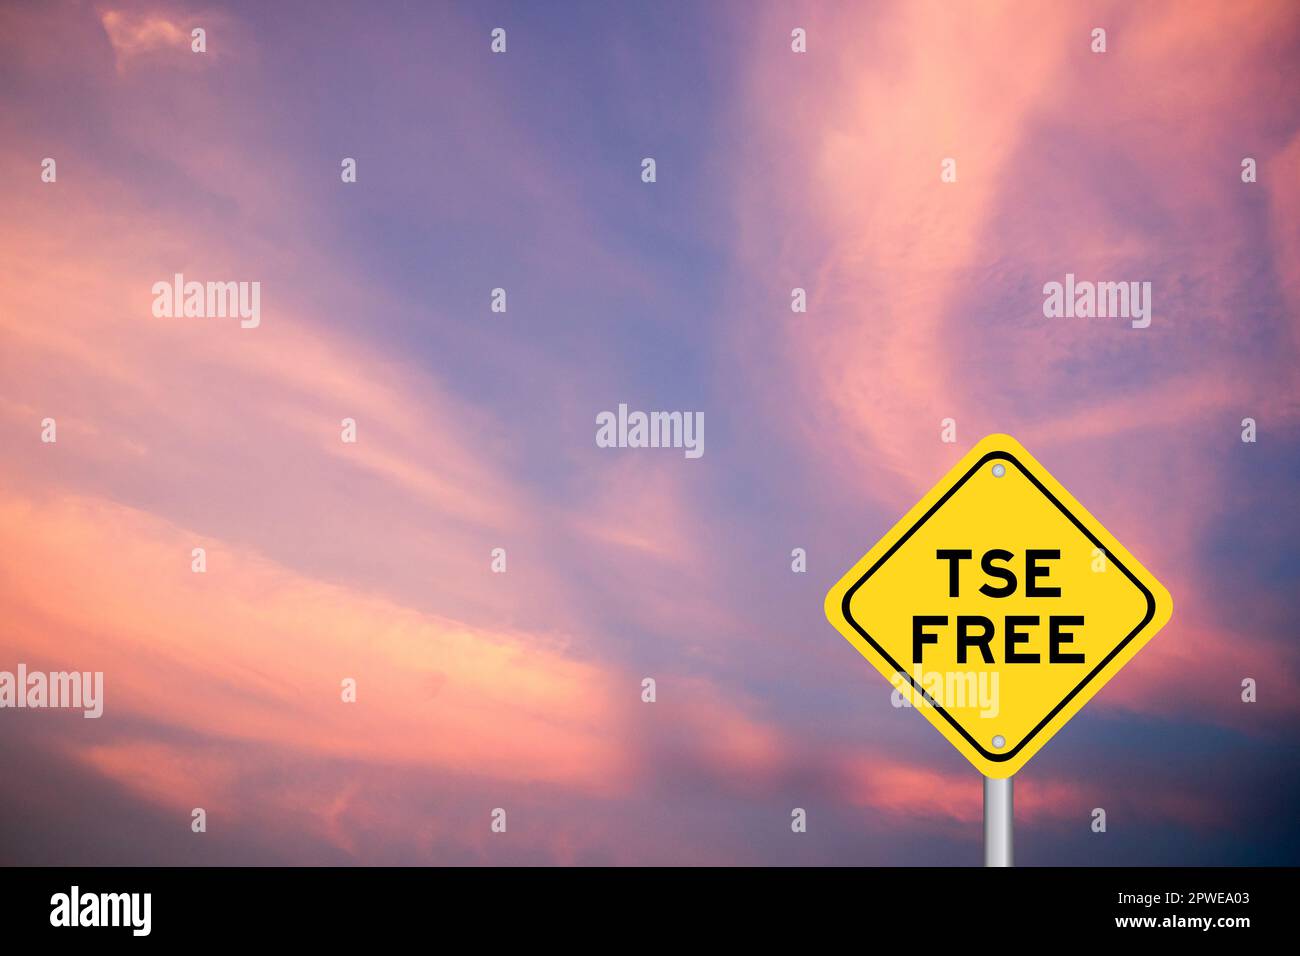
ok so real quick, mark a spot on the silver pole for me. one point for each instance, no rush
(998, 817)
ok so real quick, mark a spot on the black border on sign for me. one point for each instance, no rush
(1004, 456)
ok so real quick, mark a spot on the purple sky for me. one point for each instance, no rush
(476, 690)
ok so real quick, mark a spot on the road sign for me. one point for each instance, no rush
(998, 606)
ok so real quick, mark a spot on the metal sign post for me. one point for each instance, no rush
(998, 817)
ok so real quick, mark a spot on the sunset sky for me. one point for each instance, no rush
(522, 170)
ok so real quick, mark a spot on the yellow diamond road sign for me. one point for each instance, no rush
(998, 606)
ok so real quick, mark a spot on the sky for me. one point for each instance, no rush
(522, 170)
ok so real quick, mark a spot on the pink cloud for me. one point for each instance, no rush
(251, 651)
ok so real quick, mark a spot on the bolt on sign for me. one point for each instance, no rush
(998, 606)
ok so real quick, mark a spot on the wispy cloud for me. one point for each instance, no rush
(329, 560)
